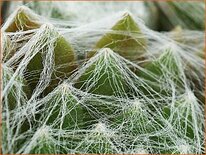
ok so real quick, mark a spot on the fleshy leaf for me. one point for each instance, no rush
(99, 140)
(126, 39)
(62, 109)
(104, 75)
(22, 19)
(60, 55)
(156, 73)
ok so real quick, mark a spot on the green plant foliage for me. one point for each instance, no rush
(23, 19)
(126, 39)
(103, 75)
(61, 55)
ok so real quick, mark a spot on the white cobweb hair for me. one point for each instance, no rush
(136, 119)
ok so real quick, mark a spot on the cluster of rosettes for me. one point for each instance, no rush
(111, 86)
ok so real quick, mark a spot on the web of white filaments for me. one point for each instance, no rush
(108, 104)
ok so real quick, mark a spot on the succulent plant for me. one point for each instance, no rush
(138, 92)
